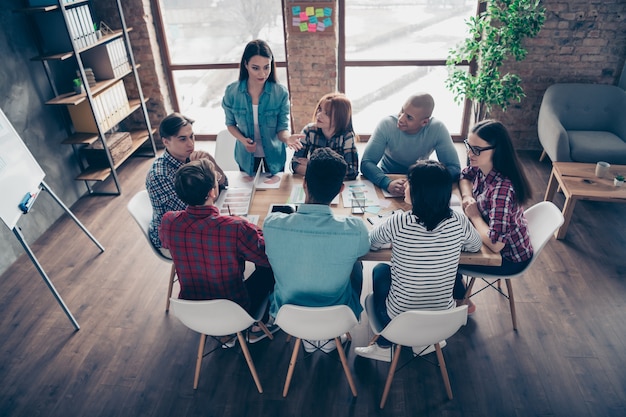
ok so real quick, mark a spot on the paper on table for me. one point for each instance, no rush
(297, 196)
(359, 186)
(266, 181)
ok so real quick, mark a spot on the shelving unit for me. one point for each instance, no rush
(68, 35)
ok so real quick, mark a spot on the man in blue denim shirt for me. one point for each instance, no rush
(313, 253)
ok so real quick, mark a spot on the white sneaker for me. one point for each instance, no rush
(374, 352)
(425, 350)
(310, 346)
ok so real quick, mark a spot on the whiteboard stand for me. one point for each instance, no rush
(33, 258)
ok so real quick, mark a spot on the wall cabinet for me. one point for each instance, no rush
(111, 103)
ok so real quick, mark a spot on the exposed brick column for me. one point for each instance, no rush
(312, 68)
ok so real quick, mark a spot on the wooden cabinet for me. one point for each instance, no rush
(111, 101)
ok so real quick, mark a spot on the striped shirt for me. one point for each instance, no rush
(423, 263)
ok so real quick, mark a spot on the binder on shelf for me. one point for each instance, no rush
(112, 107)
(108, 61)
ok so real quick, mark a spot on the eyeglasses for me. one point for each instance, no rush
(476, 150)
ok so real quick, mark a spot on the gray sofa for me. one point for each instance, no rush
(583, 123)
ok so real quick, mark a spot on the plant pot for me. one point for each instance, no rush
(617, 182)
(79, 89)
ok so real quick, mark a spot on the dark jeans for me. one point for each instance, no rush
(259, 285)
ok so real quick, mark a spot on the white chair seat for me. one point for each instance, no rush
(218, 318)
(417, 328)
(316, 323)
(543, 219)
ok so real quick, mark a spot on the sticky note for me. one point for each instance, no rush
(312, 27)
(295, 21)
(328, 22)
(310, 11)
(303, 17)
(328, 11)
(303, 27)
(295, 10)
(320, 26)
(313, 19)
(319, 12)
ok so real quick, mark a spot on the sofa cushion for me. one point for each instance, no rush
(593, 146)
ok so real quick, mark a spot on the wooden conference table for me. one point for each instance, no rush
(264, 198)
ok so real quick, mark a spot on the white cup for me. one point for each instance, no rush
(602, 168)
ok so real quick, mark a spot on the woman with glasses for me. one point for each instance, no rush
(494, 189)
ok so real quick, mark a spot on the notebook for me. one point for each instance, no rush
(237, 201)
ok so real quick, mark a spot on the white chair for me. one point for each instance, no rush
(225, 151)
(140, 208)
(217, 318)
(417, 328)
(544, 219)
(316, 323)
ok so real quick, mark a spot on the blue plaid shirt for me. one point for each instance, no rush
(160, 186)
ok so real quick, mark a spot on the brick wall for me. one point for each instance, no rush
(581, 41)
(312, 69)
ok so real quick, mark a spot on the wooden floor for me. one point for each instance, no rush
(130, 358)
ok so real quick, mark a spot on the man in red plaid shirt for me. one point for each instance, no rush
(210, 250)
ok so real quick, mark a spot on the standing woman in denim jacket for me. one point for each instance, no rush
(257, 112)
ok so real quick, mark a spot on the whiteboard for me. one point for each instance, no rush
(19, 172)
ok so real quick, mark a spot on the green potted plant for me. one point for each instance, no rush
(494, 36)
(618, 181)
(78, 86)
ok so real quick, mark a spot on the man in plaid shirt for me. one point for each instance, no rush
(210, 250)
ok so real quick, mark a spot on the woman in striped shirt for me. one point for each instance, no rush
(426, 245)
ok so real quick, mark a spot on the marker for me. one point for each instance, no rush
(229, 212)
(26, 202)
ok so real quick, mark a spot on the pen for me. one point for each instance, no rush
(229, 212)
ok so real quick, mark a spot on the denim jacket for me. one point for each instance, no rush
(273, 118)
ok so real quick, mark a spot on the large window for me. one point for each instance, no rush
(205, 40)
(388, 51)
(397, 48)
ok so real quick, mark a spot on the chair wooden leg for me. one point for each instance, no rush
(265, 329)
(246, 353)
(543, 155)
(509, 287)
(170, 287)
(196, 377)
(392, 371)
(292, 364)
(468, 290)
(444, 370)
(344, 363)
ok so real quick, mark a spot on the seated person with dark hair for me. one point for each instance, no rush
(314, 254)
(210, 250)
(176, 132)
(426, 244)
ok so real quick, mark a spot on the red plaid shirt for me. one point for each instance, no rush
(498, 205)
(210, 251)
